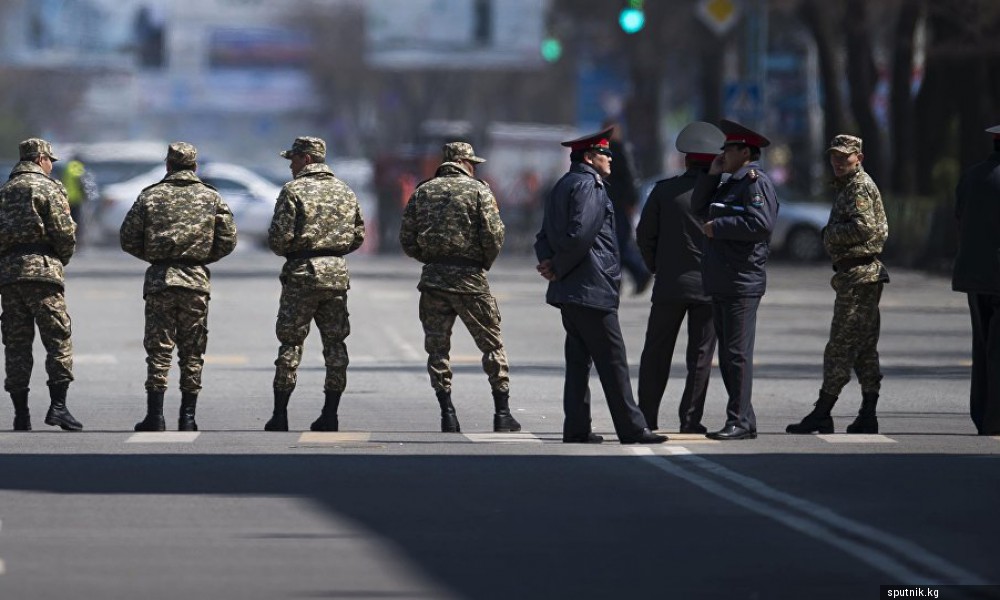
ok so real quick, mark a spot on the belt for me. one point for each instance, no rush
(34, 248)
(856, 261)
(176, 262)
(312, 254)
(456, 261)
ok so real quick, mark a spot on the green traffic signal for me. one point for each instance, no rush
(632, 20)
(551, 49)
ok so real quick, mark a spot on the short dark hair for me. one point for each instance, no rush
(754, 152)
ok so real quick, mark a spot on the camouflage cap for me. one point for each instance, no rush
(32, 147)
(847, 144)
(306, 145)
(182, 154)
(455, 151)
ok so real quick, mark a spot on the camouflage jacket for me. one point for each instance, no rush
(316, 212)
(857, 228)
(37, 234)
(452, 225)
(179, 225)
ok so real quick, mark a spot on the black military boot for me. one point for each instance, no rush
(58, 413)
(503, 422)
(819, 420)
(866, 422)
(154, 413)
(279, 420)
(189, 402)
(449, 420)
(22, 417)
(327, 420)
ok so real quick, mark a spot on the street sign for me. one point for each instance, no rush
(742, 102)
(718, 15)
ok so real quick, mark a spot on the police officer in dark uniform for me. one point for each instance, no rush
(578, 255)
(977, 273)
(670, 240)
(739, 216)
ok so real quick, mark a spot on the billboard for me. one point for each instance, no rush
(455, 34)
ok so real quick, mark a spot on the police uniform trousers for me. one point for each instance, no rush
(26, 304)
(481, 316)
(175, 316)
(654, 368)
(736, 327)
(984, 399)
(594, 336)
(853, 344)
(297, 309)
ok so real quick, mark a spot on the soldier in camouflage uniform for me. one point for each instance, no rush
(37, 239)
(178, 225)
(854, 237)
(317, 221)
(452, 225)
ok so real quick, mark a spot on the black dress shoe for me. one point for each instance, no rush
(732, 432)
(590, 438)
(699, 428)
(644, 437)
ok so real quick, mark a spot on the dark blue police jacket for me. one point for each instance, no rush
(578, 235)
(743, 210)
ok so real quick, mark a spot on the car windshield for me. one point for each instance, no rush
(108, 172)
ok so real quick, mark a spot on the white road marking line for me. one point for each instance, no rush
(856, 438)
(333, 437)
(820, 523)
(95, 359)
(406, 348)
(521, 437)
(688, 438)
(226, 359)
(163, 437)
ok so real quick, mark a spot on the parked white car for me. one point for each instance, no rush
(250, 196)
(797, 232)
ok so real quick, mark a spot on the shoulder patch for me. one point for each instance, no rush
(757, 200)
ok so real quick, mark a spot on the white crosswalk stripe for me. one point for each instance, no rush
(334, 437)
(856, 438)
(163, 437)
(521, 437)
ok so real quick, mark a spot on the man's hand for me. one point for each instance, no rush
(707, 229)
(717, 164)
(544, 268)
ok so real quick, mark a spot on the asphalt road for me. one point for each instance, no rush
(391, 508)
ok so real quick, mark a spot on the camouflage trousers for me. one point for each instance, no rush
(298, 308)
(26, 304)
(175, 316)
(854, 339)
(481, 316)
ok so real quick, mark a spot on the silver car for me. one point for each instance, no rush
(798, 232)
(250, 196)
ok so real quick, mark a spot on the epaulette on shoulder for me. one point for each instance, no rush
(753, 175)
(483, 181)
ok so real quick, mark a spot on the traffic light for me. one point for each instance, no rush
(632, 18)
(551, 49)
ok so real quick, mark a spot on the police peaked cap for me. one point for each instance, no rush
(700, 137)
(738, 134)
(600, 141)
